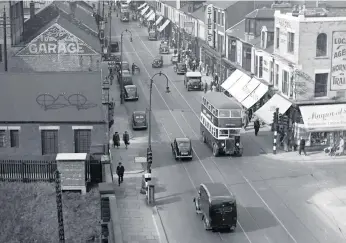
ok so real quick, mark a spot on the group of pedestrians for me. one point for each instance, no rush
(116, 139)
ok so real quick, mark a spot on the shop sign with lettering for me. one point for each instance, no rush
(338, 61)
(56, 40)
(210, 24)
(324, 116)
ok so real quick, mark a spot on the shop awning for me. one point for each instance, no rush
(164, 25)
(144, 10)
(236, 89)
(158, 20)
(128, 1)
(150, 13)
(231, 80)
(151, 17)
(255, 95)
(246, 90)
(142, 6)
(266, 112)
(324, 117)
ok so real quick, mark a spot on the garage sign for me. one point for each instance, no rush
(56, 40)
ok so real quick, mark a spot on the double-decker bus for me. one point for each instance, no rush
(220, 124)
(124, 12)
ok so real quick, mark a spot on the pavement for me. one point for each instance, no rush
(280, 198)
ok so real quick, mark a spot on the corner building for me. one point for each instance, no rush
(310, 64)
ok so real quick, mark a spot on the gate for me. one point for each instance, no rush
(93, 171)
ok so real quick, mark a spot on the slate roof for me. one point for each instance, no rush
(222, 4)
(199, 14)
(263, 13)
(83, 24)
(19, 94)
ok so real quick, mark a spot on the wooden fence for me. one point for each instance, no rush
(43, 171)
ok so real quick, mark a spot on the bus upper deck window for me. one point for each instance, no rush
(224, 113)
(236, 113)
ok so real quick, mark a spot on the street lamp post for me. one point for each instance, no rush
(121, 65)
(150, 98)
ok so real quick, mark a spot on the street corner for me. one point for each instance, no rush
(311, 157)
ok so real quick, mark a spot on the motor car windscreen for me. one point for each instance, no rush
(184, 145)
(127, 79)
(131, 90)
(139, 117)
(194, 80)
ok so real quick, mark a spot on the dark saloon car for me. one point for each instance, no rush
(182, 148)
(139, 120)
(180, 68)
(157, 62)
(131, 92)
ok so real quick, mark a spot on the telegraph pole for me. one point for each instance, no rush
(59, 207)
(5, 39)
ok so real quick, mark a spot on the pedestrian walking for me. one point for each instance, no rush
(205, 87)
(116, 140)
(120, 173)
(302, 146)
(256, 125)
(126, 139)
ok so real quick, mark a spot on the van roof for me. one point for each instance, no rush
(217, 191)
(193, 74)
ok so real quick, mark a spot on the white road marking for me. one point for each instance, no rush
(252, 187)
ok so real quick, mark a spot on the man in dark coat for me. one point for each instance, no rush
(302, 146)
(257, 126)
(116, 140)
(126, 139)
(120, 173)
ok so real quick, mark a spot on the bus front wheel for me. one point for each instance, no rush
(215, 150)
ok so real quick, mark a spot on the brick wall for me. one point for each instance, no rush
(54, 63)
(30, 139)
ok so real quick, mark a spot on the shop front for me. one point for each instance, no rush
(165, 29)
(248, 91)
(323, 125)
(211, 58)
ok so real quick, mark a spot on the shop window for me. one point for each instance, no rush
(285, 82)
(290, 42)
(321, 45)
(277, 35)
(321, 80)
(276, 75)
(319, 138)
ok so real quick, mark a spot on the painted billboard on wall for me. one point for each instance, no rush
(56, 40)
(209, 20)
(338, 61)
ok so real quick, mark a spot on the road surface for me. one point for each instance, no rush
(276, 200)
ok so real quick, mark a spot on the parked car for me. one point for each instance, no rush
(139, 120)
(130, 92)
(193, 81)
(182, 148)
(127, 78)
(164, 49)
(180, 68)
(217, 205)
